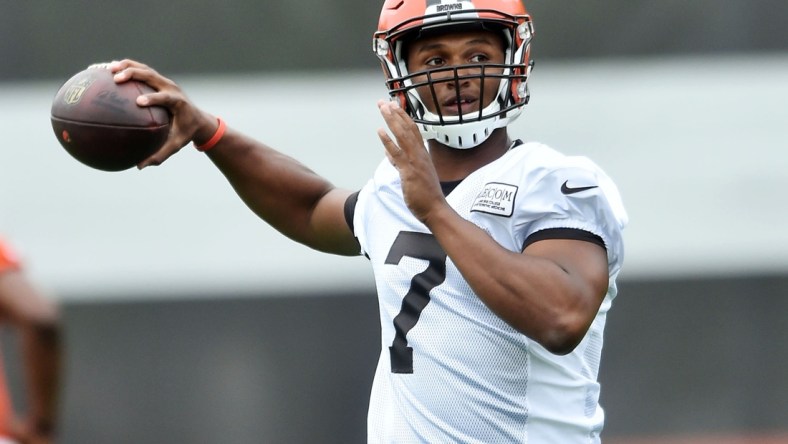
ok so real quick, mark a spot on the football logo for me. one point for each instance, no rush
(74, 93)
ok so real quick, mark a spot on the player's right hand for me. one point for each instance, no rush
(188, 122)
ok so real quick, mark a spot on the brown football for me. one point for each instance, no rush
(100, 124)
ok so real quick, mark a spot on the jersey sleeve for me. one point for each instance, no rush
(350, 211)
(360, 209)
(368, 203)
(577, 196)
(8, 259)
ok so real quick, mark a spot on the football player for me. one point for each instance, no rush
(495, 260)
(35, 320)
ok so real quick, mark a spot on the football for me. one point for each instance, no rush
(99, 123)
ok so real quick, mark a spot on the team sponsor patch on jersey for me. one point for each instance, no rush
(496, 198)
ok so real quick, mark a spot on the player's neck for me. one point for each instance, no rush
(455, 164)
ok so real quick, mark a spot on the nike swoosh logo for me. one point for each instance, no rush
(567, 190)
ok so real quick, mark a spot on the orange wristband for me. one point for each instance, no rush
(217, 136)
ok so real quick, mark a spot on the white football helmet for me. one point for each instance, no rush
(401, 20)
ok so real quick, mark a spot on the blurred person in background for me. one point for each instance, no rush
(495, 260)
(34, 320)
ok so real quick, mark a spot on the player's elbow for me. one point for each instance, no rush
(558, 330)
(564, 335)
(568, 323)
(560, 347)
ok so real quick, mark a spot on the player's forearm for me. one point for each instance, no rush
(532, 294)
(277, 188)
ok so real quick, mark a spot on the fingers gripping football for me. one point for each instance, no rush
(187, 119)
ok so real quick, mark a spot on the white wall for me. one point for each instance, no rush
(697, 147)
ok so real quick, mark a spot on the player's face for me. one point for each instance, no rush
(449, 50)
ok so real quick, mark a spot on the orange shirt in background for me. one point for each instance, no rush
(8, 261)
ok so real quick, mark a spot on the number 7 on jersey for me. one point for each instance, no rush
(418, 246)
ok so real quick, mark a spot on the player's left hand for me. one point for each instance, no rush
(420, 185)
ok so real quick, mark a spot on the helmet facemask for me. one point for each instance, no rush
(459, 130)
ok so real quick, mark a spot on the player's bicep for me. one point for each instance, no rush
(583, 261)
(329, 226)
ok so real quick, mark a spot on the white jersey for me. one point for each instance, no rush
(450, 370)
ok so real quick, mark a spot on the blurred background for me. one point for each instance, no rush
(188, 320)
